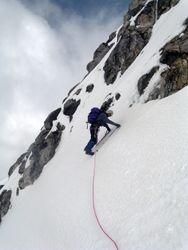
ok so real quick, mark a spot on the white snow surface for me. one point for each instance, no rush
(141, 188)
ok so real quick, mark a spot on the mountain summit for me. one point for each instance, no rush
(132, 195)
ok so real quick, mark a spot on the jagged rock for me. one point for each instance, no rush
(147, 16)
(70, 107)
(100, 52)
(117, 96)
(48, 123)
(5, 203)
(145, 79)
(132, 39)
(165, 5)
(135, 6)
(77, 91)
(111, 37)
(175, 77)
(1, 186)
(42, 152)
(22, 167)
(106, 105)
(128, 48)
(16, 164)
(89, 88)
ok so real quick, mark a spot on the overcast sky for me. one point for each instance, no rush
(44, 48)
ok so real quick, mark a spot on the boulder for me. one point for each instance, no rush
(117, 96)
(90, 88)
(70, 107)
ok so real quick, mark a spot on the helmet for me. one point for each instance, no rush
(109, 112)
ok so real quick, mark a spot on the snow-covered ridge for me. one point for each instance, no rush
(141, 173)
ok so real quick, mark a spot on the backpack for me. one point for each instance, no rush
(93, 115)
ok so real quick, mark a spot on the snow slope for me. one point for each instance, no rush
(141, 187)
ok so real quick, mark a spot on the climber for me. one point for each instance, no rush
(97, 118)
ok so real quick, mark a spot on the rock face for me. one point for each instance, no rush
(145, 79)
(16, 164)
(106, 105)
(100, 52)
(5, 202)
(70, 107)
(165, 5)
(175, 77)
(133, 38)
(48, 123)
(41, 152)
(31, 163)
(128, 48)
(135, 6)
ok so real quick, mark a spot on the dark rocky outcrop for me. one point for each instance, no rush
(42, 151)
(70, 107)
(106, 105)
(1, 186)
(161, 6)
(48, 123)
(100, 52)
(22, 167)
(175, 77)
(5, 203)
(39, 152)
(21, 161)
(145, 79)
(134, 7)
(132, 39)
(78, 91)
(16, 164)
(165, 5)
(117, 96)
(128, 48)
(90, 88)
(111, 37)
(147, 16)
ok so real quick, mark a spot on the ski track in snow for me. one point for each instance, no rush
(141, 177)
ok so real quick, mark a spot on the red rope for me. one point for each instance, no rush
(94, 208)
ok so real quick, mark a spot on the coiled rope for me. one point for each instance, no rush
(94, 207)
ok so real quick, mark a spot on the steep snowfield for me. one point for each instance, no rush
(141, 185)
